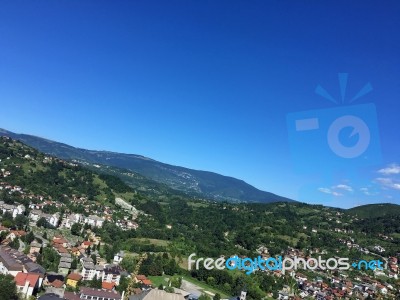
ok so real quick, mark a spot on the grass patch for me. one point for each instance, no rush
(155, 242)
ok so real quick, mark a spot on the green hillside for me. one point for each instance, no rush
(375, 210)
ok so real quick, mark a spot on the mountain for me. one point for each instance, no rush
(53, 178)
(194, 182)
(375, 210)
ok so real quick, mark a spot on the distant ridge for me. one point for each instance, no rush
(194, 182)
(375, 210)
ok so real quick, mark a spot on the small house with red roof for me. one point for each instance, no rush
(108, 285)
(28, 283)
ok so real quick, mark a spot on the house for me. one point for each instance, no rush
(14, 210)
(52, 219)
(60, 241)
(119, 257)
(71, 220)
(283, 295)
(28, 283)
(50, 296)
(73, 279)
(16, 234)
(86, 244)
(90, 293)
(108, 285)
(71, 296)
(90, 271)
(94, 221)
(112, 273)
(12, 262)
(65, 263)
(35, 247)
(5, 229)
(57, 284)
(63, 268)
(75, 252)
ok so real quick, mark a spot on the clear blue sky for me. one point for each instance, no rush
(204, 84)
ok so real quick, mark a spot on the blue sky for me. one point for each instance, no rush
(207, 84)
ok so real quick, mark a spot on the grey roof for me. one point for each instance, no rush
(50, 297)
(65, 254)
(87, 260)
(14, 260)
(36, 244)
(64, 265)
(32, 267)
(9, 260)
(89, 266)
(99, 268)
(95, 218)
(112, 295)
(112, 269)
(66, 259)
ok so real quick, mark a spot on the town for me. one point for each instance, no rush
(55, 249)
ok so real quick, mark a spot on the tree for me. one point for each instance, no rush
(217, 296)
(161, 287)
(76, 229)
(30, 237)
(94, 258)
(95, 283)
(42, 222)
(8, 289)
(169, 289)
(20, 221)
(128, 263)
(74, 264)
(14, 243)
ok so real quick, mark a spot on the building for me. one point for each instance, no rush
(91, 271)
(14, 210)
(73, 279)
(28, 283)
(94, 221)
(12, 262)
(119, 257)
(112, 274)
(35, 215)
(96, 294)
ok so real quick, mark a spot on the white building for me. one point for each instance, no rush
(94, 221)
(14, 210)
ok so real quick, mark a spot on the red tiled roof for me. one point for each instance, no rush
(57, 283)
(146, 281)
(75, 276)
(21, 278)
(108, 285)
(18, 232)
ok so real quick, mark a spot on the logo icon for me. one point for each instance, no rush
(344, 137)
